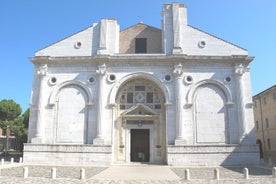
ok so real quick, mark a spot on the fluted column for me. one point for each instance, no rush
(178, 105)
(99, 140)
(42, 73)
(239, 71)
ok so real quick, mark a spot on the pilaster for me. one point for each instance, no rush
(103, 38)
(41, 73)
(102, 74)
(176, 29)
(179, 105)
(239, 72)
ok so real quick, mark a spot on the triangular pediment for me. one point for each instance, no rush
(139, 110)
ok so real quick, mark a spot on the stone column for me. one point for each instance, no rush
(42, 73)
(239, 71)
(178, 105)
(99, 140)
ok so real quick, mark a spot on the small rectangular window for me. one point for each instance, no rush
(257, 125)
(122, 107)
(140, 45)
(266, 123)
(157, 106)
(140, 88)
(129, 97)
(149, 97)
(268, 144)
(255, 104)
(264, 100)
(274, 96)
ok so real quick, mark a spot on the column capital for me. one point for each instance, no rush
(177, 72)
(101, 70)
(239, 69)
(43, 70)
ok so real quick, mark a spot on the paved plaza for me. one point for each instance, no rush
(134, 174)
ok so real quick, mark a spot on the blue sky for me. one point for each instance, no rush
(27, 26)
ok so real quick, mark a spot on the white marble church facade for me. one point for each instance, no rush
(175, 95)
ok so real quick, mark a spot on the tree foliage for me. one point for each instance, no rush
(26, 116)
(9, 110)
(10, 117)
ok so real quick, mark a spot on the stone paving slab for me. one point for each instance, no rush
(135, 175)
(138, 173)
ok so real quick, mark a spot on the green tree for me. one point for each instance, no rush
(9, 110)
(10, 117)
(26, 116)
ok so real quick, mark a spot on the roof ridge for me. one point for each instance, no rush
(141, 24)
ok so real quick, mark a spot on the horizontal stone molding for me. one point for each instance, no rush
(211, 149)
(64, 148)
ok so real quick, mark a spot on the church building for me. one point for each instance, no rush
(173, 96)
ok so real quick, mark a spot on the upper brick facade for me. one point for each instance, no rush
(140, 30)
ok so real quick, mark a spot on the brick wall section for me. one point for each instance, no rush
(153, 35)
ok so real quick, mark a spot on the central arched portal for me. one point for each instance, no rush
(140, 124)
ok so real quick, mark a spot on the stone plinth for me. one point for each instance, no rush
(63, 154)
(213, 155)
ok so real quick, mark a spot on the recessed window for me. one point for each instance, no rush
(78, 45)
(111, 78)
(140, 45)
(228, 79)
(53, 80)
(268, 144)
(201, 44)
(129, 97)
(266, 123)
(149, 97)
(91, 80)
(188, 79)
(140, 91)
(140, 88)
(168, 78)
(157, 106)
(257, 125)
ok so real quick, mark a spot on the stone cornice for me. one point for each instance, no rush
(141, 57)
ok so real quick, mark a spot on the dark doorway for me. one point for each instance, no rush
(139, 145)
(261, 148)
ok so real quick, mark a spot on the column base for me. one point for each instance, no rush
(180, 142)
(102, 51)
(177, 50)
(98, 141)
(37, 140)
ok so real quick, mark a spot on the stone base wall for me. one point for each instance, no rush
(213, 155)
(86, 155)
